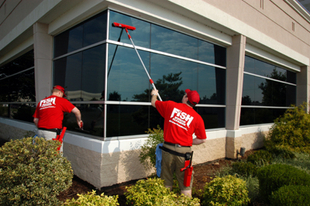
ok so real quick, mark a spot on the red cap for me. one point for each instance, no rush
(60, 88)
(193, 96)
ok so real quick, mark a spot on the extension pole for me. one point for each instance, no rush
(126, 27)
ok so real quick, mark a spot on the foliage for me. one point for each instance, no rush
(223, 190)
(91, 199)
(261, 156)
(274, 176)
(244, 168)
(147, 154)
(32, 172)
(292, 129)
(153, 192)
(291, 195)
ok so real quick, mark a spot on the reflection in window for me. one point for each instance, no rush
(17, 85)
(273, 86)
(82, 74)
(85, 34)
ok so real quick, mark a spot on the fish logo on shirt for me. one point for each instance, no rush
(181, 118)
(47, 103)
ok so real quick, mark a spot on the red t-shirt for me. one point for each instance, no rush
(181, 121)
(50, 112)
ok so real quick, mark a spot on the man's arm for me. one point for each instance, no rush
(78, 116)
(154, 94)
(197, 141)
(36, 120)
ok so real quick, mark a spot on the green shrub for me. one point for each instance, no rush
(281, 151)
(292, 129)
(147, 156)
(272, 177)
(32, 172)
(91, 199)
(291, 195)
(260, 157)
(153, 192)
(244, 168)
(228, 190)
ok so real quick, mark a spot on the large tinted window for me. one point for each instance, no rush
(17, 93)
(110, 74)
(269, 86)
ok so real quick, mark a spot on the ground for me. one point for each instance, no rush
(202, 174)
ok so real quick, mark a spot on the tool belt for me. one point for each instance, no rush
(58, 131)
(187, 155)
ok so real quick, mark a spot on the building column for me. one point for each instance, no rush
(234, 76)
(43, 64)
(303, 86)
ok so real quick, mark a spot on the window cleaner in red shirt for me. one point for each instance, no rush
(50, 113)
(181, 122)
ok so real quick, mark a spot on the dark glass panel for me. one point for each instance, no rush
(259, 91)
(213, 117)
(84, 34)
(166, 40)
(172, 76)
(126, 75)
(67, 73)
(22, 111)
(256, 66)
(140, 36)
(82, 74)
(259, 115)
(93, 74)
(5, 91)
(127, 120)
(95, 29)
(92, 116)
(19, 64)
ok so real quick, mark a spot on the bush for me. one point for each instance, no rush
(147, 156)
(32, 172)
(291, 195)
(244, 168)
(260, 157)
(272, 177)
(281, 151)
(91, 199)
(153, 192)
(225, 190)
(292, 129)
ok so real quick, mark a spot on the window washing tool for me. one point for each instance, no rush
(127, 27)
(188, 169)
(60, 136)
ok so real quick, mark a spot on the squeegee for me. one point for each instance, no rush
(127, 27)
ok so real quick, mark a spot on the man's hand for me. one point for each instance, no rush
(154, 94)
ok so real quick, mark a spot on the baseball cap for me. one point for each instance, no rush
(60, 88)
(193, 96)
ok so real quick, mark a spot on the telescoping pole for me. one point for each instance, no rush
(126, 27)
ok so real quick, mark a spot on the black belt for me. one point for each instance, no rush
(168, 143)
(186, 155)
(58, 131)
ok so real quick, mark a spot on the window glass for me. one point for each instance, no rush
(17, 80)
(213, 117)
(172, 76)
(140, 36)
(84, 34)
(82, 74)
(256, 66)
(127, 120)
(259, 115)
(22, 111)
(126, 75)
(93, 117)
(259, 91)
